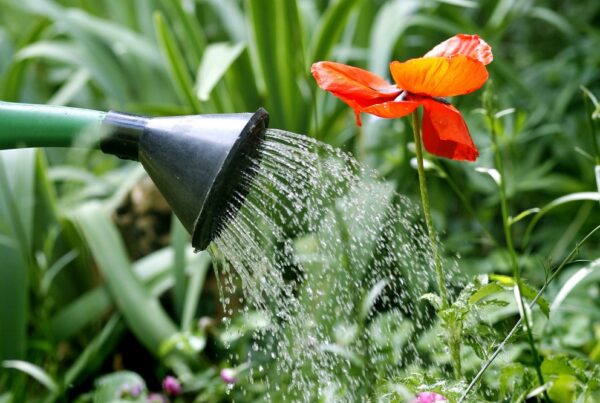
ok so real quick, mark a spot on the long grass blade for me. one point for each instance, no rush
(143, 313)
(16, 226)
(217, 59)
(278, 49)
(180, 74)
(194, 289)
(330, 28)
(179, 238)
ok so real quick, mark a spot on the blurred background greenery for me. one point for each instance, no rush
(96, 277)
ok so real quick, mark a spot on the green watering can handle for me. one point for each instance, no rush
(27, 125)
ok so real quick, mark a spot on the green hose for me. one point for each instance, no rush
(25, 125)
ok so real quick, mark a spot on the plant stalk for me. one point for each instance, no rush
(439, 271)
(454, 333)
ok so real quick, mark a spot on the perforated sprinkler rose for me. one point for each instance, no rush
(454, 67)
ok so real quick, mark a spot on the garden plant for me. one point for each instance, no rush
(482, 114)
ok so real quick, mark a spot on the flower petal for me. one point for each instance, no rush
(439, 76)
(356, 87)
(467, 45)
(445, 132)
(392, 109)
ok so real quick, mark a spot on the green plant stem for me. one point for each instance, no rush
(454, 333)
(511, 248)
(439, 270)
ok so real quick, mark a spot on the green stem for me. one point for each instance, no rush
(25, 125)
(511, 248)
(439, 270)
(454, 332)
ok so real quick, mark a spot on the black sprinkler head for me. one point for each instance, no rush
(197, 161)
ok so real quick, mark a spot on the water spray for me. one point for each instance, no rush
(196, 161)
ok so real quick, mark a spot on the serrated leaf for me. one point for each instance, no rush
(433, 299)
(530, 293)
(527, 291)
(486, 291)
(502, 279)
(556, 365)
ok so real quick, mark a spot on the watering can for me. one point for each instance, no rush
(196, 161)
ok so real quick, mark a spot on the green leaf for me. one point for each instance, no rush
(179, 72)
(143, 313)
(192, 294)
(572, 282)
(33, 371)
(95, 352)
(502, 279)
(113, 387)
(530, 293)
(277, 50)
(71, 88)
(390, 23)
(331, 25)
(371, 297)
(557, 365)
(217, 59)
(17, 200)
(83, 311)
(594, 196)
(527, 291)
(188, 343)
(486, 291)
(193, 39)
(433, 299)
(564, 388)
(523, 214)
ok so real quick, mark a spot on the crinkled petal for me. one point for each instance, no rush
(445, 132)
(467, 45)
(356, 87)
(439, 76)
(392, 109)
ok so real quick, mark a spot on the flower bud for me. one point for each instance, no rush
(228, 375)
(171, 386)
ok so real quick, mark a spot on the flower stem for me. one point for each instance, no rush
(439, 270)
(454, 339)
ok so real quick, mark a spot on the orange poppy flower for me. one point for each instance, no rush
(454, 67)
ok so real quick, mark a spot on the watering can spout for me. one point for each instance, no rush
(197, 161)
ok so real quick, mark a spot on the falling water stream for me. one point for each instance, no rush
(328, 264)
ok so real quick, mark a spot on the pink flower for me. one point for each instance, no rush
(171, 386)
(429, 397)
(156, 398)
(228, 375)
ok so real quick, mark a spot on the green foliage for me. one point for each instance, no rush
(72, 301)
